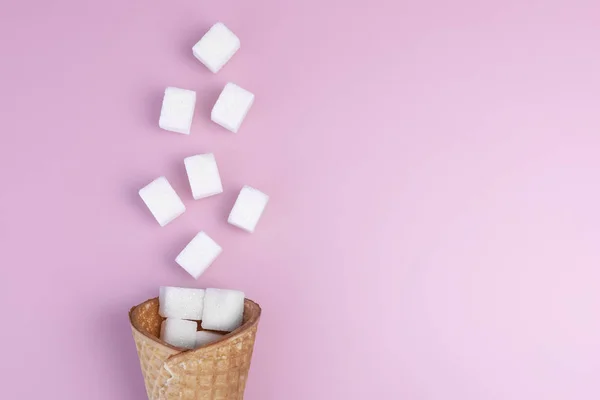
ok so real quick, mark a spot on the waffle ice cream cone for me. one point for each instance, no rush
(213, 372)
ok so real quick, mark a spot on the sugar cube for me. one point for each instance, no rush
(216, 47)
(248, 208)
(231, 107)
(162, 201)
(203, 175)
(177, 110)
(197, 256)
(179, 332)
(223, 310)
(181, 303)
(205, 337)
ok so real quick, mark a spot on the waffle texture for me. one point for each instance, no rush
(214, 372)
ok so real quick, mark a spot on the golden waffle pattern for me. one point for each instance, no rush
(214, 372)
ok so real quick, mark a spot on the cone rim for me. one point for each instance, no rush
(247, 325)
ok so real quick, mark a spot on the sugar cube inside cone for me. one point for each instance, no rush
(216, 47)
(203, 175)
(199, 254)
(223, 310)
(162, 200)
(231, 107)
(181, 303)
(179, 332)
(205, 337)
(248, 208)
(177, 110)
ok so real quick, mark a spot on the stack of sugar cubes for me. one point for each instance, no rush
(219, 310)
(213, 50)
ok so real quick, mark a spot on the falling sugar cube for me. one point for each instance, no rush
(162, 201)
(197, 256)
(216, 47)
(223, 310)
(203, 175)
(181, 303)
(179, 332)
(205, 337)
(248, 208)
(231, 107)
(177, 110)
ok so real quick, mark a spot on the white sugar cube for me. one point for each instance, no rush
(179, 332)
(248, 208)
(216, 47)
(205, 337)
(197, 256)
(177, 110)
(162, 201)
(223, 310)
(231, 107)
(203, 175)
(181, 303)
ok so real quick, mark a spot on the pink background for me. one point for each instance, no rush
(433, 168)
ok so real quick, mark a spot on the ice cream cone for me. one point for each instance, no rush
(213, 372)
